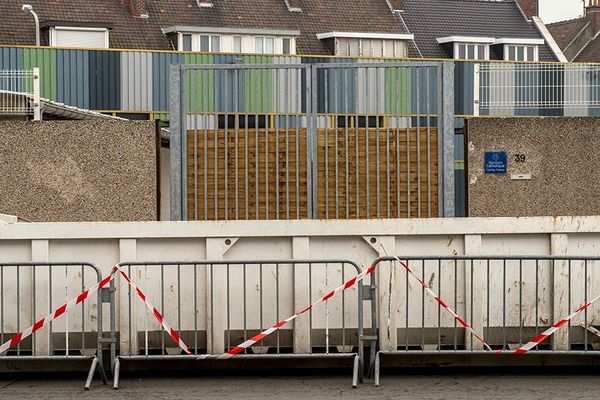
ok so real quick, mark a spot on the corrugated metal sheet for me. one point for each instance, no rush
(200, 84)
(74, 73)
(11, 58)
(136, 81)
(105, 80)
(161, 62)
(287, 96)
(258, 85)
(45, 60)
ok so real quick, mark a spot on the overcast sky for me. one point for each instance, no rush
(559, 10)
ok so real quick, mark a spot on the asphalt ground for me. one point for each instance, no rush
(298, 387)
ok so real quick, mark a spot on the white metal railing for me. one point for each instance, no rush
(503, 87)
(20, 92)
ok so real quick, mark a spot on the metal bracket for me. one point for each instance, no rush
(105, 295)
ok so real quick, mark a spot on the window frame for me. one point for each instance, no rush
(53, 29)
(241, 40)
(197, 42)
(525, 47)
(263, 39)
(399, 46)
(478, 45)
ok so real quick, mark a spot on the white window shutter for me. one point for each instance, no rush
(92, 39)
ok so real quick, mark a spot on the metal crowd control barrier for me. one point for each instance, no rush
(215, 305)
(30, 290)
(506, 300)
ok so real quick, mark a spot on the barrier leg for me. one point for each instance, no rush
(116, 374)
(377, 369)
(90, 376)
(355, 372)
(102, 373)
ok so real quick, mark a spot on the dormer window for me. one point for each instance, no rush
(467, 48)
(355, 44)
(232, 40)
(82, 35)
(519, 49)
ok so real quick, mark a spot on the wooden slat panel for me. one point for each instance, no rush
(274, 183)
(387, 183)
(271, 185)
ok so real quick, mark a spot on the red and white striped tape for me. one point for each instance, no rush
(159, 317)
(19, 337)
(444, 305)
(243, 346)
(550, 331)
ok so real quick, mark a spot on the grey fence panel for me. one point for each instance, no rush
(539, 89)
(29, 291)
(16, 91)
(508, 301)
(321, 140)
(215, 306)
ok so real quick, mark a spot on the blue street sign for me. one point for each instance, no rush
(495, 162)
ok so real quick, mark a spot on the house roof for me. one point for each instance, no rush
(565, 31)
(591, 52)
(432, 19)
(317, 16)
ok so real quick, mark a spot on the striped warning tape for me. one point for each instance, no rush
(19, 337)
(550, 331)
(444, 304)
(339, 289)
(159, 317)
(238, 349)
(243, 346)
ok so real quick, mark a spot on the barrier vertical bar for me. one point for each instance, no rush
(475, 291)
(559, 244)
(301, 250)
(127, 252)
(40, 253)
(216, 298)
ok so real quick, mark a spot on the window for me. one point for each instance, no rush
(237, 44)
(186, 42)
(264, 45)
(94, 38)
(520, 53)
(370, 48)
(210, 43)
(286, 46)
(471, 51)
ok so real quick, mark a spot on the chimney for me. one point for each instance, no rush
(138, 8)
(531, 8)
(593, 6)
(592, 12)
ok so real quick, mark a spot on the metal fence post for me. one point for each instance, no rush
(312, 138)
(175, 142)
(476, 82)
(37, 109)
(446, 149)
